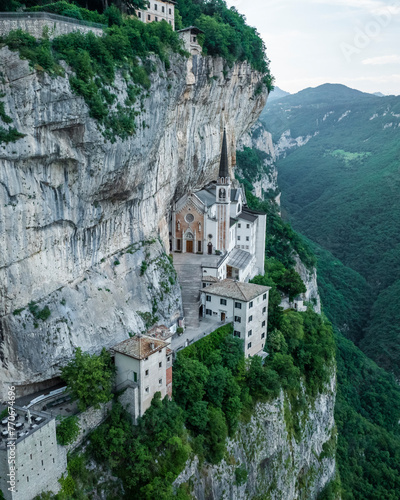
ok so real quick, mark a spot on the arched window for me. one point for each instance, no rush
(222, 194)
(189, 218)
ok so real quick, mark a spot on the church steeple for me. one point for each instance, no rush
(224, 162)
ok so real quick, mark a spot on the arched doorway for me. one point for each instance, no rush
(209, 248)
(189, 242)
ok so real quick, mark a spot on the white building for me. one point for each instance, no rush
(246, 305)
(144, 364)
(158, 10)
(216, 220)
(39, 460)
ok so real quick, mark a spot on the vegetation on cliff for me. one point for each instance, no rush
(341, 191)
(326, 196)
(128, 46)
(226, 34)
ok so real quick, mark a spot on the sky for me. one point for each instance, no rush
(311, 42)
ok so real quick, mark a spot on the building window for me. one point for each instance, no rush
(264, 310)
(189, 218)
(160, 364)
(248, 226)
(238, 238)
(249, 345)
(222, 302)
(263, 323)
(156, 18)
(236, 333)
(31, 456)
(209, 312)
(251, 305)
(146, 373)
(170, 11)
(147, 389)
(149, 17)
(134, 376)
(139, 15)
(263, 335)
(238, 319)
(265, 296)
(238, 305)
(170, 23)
(208, 298)
(247, 238)
(204, 285)
(160, 381)
(250, 319)
(169, 359)
(27, 479)
(250, 333)
(155, 6)
(162, 9)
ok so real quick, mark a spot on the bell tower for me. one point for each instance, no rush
(223, 198)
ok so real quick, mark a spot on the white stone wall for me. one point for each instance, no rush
(40, 462)
(151, 381)
(34, 26)
(88, 421)
(260, 244)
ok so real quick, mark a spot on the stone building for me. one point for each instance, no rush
(144, 367)
(190, 37)
(39, 460)
(216, 220)
(158, 10)
(246, 305)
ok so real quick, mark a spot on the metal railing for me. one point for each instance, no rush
(49, 15)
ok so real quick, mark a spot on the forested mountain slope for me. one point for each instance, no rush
(339, 158)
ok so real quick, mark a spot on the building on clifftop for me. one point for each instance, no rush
(243, 304)
(143, 367)
(158, 10)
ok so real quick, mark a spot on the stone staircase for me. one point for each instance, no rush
(189, 276)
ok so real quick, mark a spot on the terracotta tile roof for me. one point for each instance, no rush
(209, 278)
(140, 346)
(160, 331)
(236, 290)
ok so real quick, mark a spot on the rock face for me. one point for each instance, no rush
(267, 181)
(80, 215)
(278, 465)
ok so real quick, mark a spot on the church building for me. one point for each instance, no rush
(217, 221)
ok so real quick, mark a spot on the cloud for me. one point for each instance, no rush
(392, 59)
(375, 7)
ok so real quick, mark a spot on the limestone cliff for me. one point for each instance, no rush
(267, 181)
(277, 465)
(84, 222)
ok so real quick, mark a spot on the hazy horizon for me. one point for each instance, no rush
(352, 42)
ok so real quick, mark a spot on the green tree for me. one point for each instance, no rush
(89, 378)
(67, 430)
(216, 436)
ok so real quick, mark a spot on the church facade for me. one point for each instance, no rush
(217, 221)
